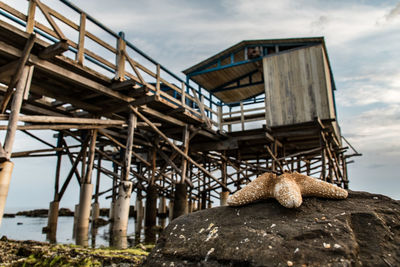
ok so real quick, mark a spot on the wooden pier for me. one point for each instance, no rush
(259, 106)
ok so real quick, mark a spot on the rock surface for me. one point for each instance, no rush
(363, 230)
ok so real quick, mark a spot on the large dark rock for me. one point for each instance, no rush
(34, 213)
(363, 230)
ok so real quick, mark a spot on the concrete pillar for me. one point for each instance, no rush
(180, 201)
(121, 214)
(6, 169)
(82, 226)
(151, 214)
(52, 220)
(162, 212)
(139, 218)
(223, 198)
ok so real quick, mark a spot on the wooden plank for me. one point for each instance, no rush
(57, 126)
(54, 50)
(53, 119)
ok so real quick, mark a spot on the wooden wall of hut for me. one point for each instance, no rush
(297, 87)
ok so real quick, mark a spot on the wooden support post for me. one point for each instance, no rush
(180, 200)
(323, 166)
(185, 143)
(151, 214)
(238, 170)
(52, 222)
(52, 218)
(15, 110)
(7, 166)
(96, 205)
(203, 200)
(80, 55)
(139, 216)
(85, 198)
(162, 211)
(5, 178)
(224, 177)
(345, 180)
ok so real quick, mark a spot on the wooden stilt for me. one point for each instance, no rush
(151, 214)
(180, 200)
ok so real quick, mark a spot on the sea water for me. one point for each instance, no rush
(30, 228)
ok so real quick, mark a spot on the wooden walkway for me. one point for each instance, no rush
(164, 137)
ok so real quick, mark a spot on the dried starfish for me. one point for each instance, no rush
(287, 188)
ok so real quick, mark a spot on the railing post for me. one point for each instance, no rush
(220, 121)
(81, 42)
(120, 59)
(158, 80)
(30, 23)
(183, 95)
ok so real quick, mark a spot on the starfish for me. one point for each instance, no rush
(287, 189)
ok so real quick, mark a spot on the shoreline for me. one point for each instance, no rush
(30, 253)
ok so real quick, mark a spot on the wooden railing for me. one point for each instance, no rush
(145, 71)
(246, 113)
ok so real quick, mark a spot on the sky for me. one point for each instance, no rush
(362, 39)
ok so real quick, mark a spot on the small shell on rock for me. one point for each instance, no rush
(327, 245)
(289, 263)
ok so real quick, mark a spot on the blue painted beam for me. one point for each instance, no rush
(224, 67)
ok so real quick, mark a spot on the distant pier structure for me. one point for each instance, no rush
(170, 145)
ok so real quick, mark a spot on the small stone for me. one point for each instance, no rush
(289, 263)
(375, 198)
(327, 245)
(323, 218)
(270, 247)
(337, 246)
(296, 250)
(273, 225)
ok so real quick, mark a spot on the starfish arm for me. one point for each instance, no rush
(258, 189)
(287, 192)
(313, 187)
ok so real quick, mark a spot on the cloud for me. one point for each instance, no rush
(394, 12)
